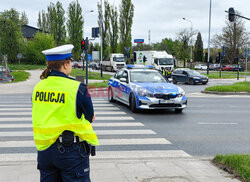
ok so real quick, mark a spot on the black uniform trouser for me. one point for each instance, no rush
(61, 163)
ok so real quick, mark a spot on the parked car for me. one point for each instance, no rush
(94, 66)
(76, 64)
(235, 68)
(5, 74)
(200, 67)
(142, 88)
(214, 67)
(188, 76)
(227, 68)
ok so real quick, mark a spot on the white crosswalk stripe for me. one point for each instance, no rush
(117, 129)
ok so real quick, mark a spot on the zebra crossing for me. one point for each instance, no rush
(120, 135)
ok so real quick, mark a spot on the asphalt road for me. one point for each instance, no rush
(208, 126)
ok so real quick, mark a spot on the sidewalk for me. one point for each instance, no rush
(130, 170)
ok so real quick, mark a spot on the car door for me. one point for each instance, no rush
(116, 84)
(185, 77)
(124, 87)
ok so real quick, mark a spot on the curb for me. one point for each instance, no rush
(225, 93)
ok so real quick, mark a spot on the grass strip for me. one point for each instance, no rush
(25, 67)
(103, 84)
(236, 87)
(91, 75)
(20, 76)
(236, 164)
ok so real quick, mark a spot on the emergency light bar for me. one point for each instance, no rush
(139, 67)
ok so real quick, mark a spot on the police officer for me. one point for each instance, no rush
(169, 73)
(62, 114)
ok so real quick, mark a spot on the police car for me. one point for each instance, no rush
(142, 87)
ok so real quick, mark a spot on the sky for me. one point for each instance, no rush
(164, 18)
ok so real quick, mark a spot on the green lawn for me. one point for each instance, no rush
(20, 76)
(25, 67)
(224, 75)
(99, 84)
(91, 75)
(236, 87)
(237, 164)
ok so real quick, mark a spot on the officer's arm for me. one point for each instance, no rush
(84, 104)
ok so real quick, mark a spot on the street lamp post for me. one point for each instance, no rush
(208, 49)
(101, 38)
(191, 41)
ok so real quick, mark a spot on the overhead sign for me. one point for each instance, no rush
(138, 40)
(89, 57)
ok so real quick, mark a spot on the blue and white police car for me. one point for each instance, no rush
(142, 87)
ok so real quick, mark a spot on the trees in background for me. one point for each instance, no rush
(234, 36)
(198, 49)
(113, 30)
(24, 19)
(33, 53)
(10, 34)
(75, 27)
(125, 22)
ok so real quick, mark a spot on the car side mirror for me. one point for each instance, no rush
(123, 80)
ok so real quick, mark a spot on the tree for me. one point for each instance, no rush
(184, 37)
(33, 53)
(113, 31)
(126, 21)
(43, 22)
(105, 27)
(24, 19)
(234, 36)
(56, 21)
(10, 33)
(168, 45)
(198, 49)
(75, 27)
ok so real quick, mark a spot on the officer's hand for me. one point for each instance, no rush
(93, 119)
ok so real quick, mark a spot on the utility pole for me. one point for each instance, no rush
(209, 29)
(149, 37)
(101, 37)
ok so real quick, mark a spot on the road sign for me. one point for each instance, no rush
(138, 40)
(19, 56)
(89, 57)
(246, 53)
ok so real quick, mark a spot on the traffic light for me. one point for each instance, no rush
(231, 14)
(83, 44)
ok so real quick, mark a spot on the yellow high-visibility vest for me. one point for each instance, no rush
(54, 110)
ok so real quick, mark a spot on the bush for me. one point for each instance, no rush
(33, 53)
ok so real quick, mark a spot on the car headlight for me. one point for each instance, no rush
(181, 93)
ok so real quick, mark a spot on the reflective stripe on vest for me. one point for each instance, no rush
(54, 110)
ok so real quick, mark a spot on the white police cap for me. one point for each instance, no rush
(58, 53)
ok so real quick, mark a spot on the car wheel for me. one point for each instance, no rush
(110, 95)
(174, 80)
(178, 110)
(132, 103)
(191, 81)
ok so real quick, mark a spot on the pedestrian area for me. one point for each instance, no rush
(120, 136)
(128, 151)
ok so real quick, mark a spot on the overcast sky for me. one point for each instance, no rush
(162, 17)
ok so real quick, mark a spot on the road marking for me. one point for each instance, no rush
(107, 155)
(29, 113)
(144, 141)
(14, 125)
(99, 132)
(116, 118)
(203, 123)
(16, 109)
(103, 105)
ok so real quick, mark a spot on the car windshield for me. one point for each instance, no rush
(146, 77)
(119, 59)
(165, 61)
(193, 73)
